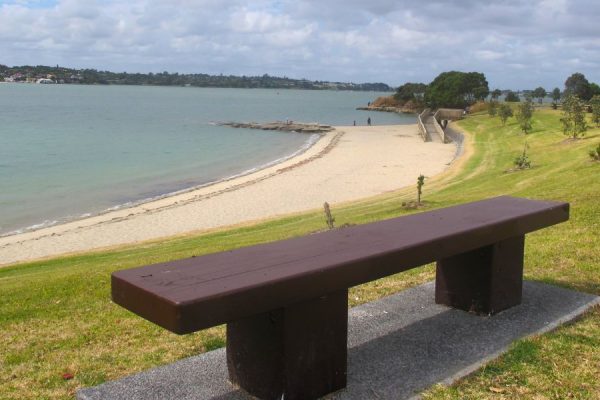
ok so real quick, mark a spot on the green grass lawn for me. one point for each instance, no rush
(56, 316)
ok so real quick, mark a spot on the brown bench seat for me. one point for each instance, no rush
(285, 303)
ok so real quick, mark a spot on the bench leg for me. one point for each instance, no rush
(297, 352)
(486, 280)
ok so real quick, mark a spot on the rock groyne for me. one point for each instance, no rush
(400, 110)
(285, 126)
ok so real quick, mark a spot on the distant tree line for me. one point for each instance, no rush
(454, 89)
(579, 96)
(92, 76)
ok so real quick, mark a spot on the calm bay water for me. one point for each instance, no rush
(67, 151)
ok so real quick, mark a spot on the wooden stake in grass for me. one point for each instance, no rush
(328, 217)
(420, 184)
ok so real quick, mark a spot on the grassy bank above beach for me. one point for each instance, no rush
(59, 331)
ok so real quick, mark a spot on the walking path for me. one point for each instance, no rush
(429, 123)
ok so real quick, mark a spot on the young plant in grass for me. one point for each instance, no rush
(328, 216)
(523, 161)
(573, 120)
(595, 153)
(504, 112)
(524, 116)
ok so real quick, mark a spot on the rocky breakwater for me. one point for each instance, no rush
(405, 110)
(284, 126)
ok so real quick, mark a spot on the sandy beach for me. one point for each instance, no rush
(347, 164)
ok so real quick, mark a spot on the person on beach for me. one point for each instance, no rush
(369, 121)
(354, 123)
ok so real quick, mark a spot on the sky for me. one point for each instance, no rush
(516, 44)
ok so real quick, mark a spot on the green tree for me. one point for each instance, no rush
(410, 91)
(524, 115)
(539, 93)
(594, 89)
(573, 120)
(493, 108)
(555, 98)
(579, 86)
(456, 89)
(504, 112)
(512, 97)
(480, 93)
(496, 93)
(475, 86)
(595, 103)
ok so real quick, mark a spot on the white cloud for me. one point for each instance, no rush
(489, 55)
(380, 40)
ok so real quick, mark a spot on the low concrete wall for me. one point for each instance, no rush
(451, 114)
(422, 129)
(439, 130)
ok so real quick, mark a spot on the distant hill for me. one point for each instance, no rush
(92, 76)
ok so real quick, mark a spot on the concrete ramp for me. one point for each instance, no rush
(429, 123)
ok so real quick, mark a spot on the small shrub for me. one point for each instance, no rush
(386, 101)
(493, 108)
(595, 153)
(524, 116)
(573, 120)
(479, 106)
(504, 112)
(512, 97)
(522, 161)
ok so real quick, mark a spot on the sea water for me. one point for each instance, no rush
(69, 151)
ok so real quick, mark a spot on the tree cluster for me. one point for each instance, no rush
(456, 89)
(410, 92)
(578, 85)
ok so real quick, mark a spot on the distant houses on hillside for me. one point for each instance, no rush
(20, 77)
(41, 74)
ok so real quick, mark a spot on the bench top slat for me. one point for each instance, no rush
(199, 292)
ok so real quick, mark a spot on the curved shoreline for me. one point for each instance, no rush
(169, 200)
(135, 203)
(364, 161)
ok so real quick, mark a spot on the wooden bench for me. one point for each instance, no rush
(286, 303)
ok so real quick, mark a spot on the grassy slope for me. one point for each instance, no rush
(56, 316)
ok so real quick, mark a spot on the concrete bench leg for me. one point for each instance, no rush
(298, 352)
(486, 280)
